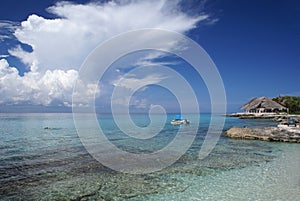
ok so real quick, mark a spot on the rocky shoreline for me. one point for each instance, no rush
(265, 134)
(276, 117)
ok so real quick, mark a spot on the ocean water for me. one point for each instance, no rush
(42, 158)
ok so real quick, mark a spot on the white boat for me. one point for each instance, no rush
(289, 123)
(179, 121)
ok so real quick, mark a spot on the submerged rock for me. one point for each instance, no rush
(266, 134)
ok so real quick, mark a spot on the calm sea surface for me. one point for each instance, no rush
(42, 158)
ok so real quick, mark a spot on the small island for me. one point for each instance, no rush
(278, 109)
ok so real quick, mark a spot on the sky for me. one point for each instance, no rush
(255, 46)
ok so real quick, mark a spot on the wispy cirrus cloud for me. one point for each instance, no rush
(7, 29)
(131, 83)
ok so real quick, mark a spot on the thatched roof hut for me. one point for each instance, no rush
(263, 104)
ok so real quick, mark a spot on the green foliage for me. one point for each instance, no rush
(291, 102)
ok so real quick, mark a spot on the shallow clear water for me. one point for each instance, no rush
(42, 158)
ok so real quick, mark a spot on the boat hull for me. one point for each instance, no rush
(180, 122)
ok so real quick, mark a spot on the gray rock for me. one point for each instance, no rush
(266, 134)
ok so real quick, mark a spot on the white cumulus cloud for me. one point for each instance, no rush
(34, 87)
(60, 45)
(66, 41)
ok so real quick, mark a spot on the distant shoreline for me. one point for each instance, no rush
(274, 116)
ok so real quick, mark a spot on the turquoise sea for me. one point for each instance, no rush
(42, 158)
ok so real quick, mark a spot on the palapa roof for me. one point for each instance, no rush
(262, 102)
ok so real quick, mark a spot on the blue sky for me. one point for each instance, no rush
(254, 44)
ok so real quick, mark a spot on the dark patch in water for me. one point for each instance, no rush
(55, 129)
